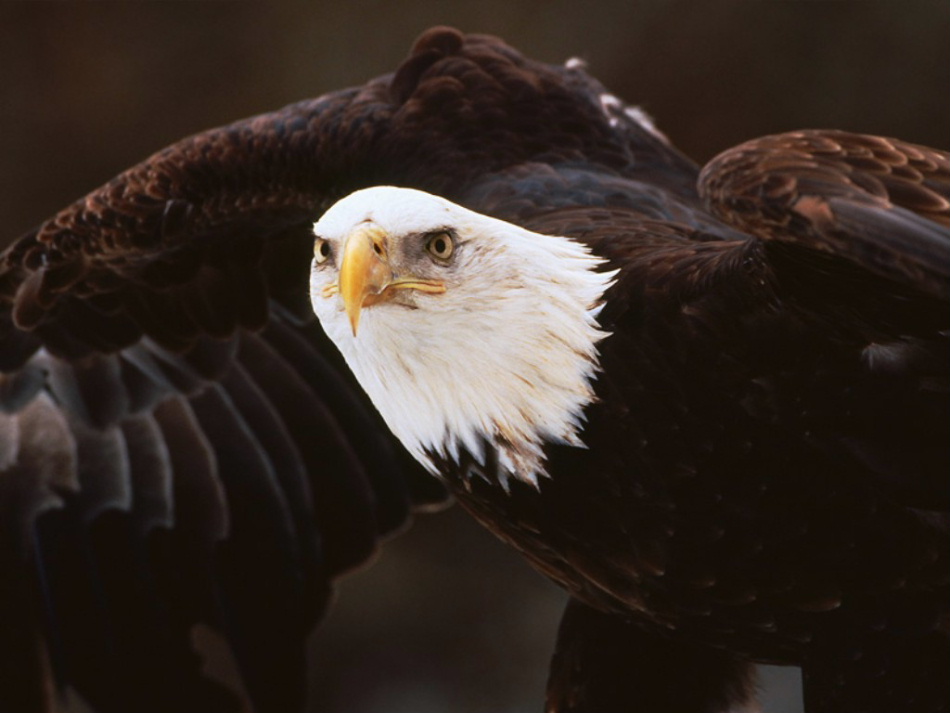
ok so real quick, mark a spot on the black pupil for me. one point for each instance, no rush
(324, 249)
(439, 245)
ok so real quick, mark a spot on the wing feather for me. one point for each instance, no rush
(341, 493)
(881, 204)
(150, 468)
(200, 507)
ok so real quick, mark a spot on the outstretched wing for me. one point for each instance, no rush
(181, 445)
(856, 232)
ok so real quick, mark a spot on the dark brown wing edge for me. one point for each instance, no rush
(180, 445)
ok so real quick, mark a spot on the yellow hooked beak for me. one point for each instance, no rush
(366, 276)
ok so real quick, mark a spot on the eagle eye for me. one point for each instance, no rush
(321, 250)
(439, 245)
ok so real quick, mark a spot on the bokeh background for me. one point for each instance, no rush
(447, 619)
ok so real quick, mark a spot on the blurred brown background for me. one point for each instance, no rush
(447, 620)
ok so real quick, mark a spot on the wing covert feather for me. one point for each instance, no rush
(882, 204)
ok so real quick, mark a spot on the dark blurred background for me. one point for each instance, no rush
(447, 619)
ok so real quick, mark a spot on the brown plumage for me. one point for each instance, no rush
(765, 477)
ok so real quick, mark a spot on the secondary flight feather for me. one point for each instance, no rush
(712, 406)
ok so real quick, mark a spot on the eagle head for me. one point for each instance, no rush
(465, 331)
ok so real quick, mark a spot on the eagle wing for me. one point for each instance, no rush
(856, 233)
(803, 360)
(181, 444)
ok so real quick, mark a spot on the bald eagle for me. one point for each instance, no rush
(712, 406)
